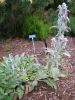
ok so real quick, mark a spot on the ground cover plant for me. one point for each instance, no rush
(21, 72)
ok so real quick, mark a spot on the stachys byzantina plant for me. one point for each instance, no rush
(56, 53)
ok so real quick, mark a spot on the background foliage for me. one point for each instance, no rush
(13, 13)
(32, 24)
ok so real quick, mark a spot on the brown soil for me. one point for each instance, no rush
(65, 87)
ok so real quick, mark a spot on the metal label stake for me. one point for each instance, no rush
(32, 37)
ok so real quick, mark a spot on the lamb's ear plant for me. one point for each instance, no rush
(13, 71)
(16, 70)
(57, 52)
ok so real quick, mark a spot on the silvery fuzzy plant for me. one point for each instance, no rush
(55, 54)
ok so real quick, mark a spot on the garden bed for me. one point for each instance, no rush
(65, 87)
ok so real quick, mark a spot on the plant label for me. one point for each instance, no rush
(32, 36)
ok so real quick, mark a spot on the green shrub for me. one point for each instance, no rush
(34, 24)
(72, 26)
(72, 8)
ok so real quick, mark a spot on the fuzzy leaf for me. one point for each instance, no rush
(51, 82)
(66, 53)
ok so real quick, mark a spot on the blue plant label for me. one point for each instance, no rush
(32, 36)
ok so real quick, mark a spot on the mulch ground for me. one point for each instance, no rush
(65, 87)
